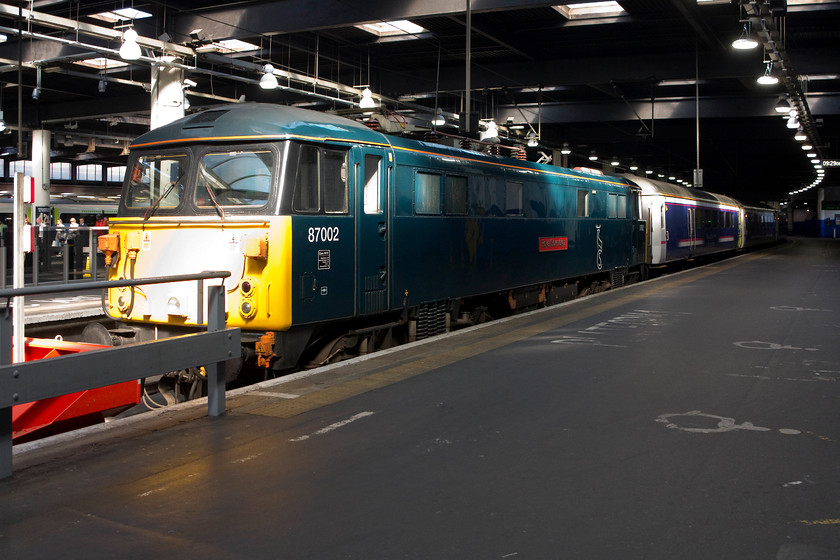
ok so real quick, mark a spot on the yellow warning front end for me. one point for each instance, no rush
(255, 250)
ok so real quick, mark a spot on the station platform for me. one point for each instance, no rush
(86, 304)
(693, 416)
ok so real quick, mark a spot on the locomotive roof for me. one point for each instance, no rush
(258, 122)
(244, 122)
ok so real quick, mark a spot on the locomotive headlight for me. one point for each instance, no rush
(122, 303)
(175, 306)
(247, 309)
(247, 287)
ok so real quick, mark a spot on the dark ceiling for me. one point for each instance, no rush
(629, 87)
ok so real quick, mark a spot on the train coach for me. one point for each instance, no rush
(342, 240)
(685, 223)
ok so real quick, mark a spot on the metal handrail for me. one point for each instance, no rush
(96, 284)
(40, 379)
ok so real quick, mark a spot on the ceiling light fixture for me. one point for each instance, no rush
(102, 85)
(783, 105)
(367, 101)
(745, 41)
(768, 78)
(565, 149)
(793, 122)
(593, 156)
(491, 133)
(438, 119)
(268, 80)
(130, 50)
(2, 122)
(533, 141)
(800, 135)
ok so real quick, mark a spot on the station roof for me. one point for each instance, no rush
(652, 83)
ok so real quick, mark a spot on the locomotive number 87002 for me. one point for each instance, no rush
(342, 240)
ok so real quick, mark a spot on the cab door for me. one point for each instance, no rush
(372, 170)
(323, 236)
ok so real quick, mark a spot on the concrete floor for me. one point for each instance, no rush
(692, 417)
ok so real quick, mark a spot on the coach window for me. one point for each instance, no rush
(455, 191)
(582, 204)
(427, 193)
(372, 203)
(513, 199)
(156, 180)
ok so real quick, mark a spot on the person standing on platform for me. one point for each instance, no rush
(72, 241)
(82, 241)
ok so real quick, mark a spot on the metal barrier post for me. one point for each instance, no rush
(65, 259)
(6, 330)
(216, 370)
(36, 255)
(92, 254)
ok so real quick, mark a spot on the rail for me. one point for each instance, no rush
(25, 382)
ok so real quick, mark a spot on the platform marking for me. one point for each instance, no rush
(818, 379)
(273, 394)
(637, 319)
(584, 340)
(335, 426)
(820, 522)
(793, 308)
(761, 345)
(725, 424)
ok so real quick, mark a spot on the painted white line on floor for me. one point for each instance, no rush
(335, 426)
(273, 394)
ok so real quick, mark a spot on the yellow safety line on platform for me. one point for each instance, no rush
(821, 522)
(344, 388)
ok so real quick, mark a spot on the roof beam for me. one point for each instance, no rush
(56, 22)
(286, 16)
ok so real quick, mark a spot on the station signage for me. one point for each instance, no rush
(831, 163)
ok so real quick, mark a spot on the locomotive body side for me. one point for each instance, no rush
(328, 227)
(465, 224)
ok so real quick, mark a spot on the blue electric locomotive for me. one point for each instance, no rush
(341, 239)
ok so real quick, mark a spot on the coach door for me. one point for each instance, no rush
(372, 170)
(692, 229)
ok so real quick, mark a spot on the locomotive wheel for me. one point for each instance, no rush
(97, 333)
(338, 349)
